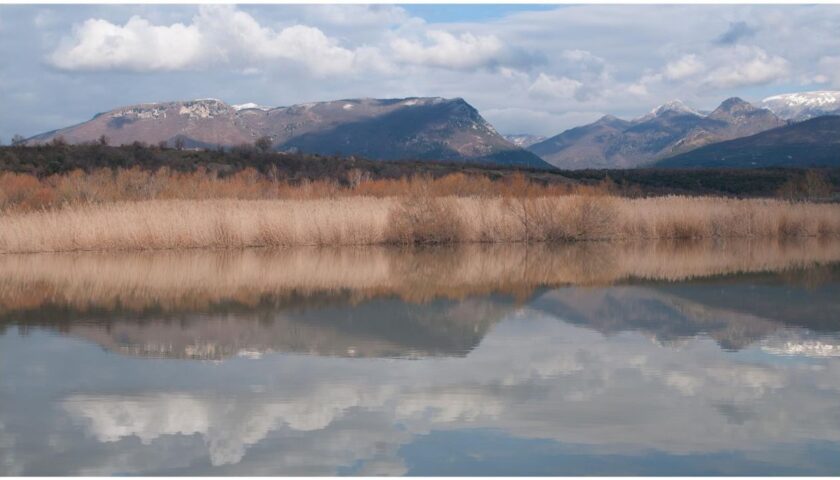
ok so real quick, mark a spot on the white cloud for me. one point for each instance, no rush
(446, 50)
(548, 86)
(137, 45)
(744, 66)
(830, 68)
(716, 69)
(217, 35)
(685, 66)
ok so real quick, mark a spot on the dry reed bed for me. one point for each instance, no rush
(361, 220)
(195, 280)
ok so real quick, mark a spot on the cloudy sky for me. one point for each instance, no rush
(530, 69)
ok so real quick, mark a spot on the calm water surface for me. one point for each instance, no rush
(593, 359)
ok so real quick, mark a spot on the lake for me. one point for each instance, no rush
(713, 358)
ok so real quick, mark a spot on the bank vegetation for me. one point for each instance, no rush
(137, 209)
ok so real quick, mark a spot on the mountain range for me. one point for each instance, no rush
(667, 130)
(383, 129)
(783, 130)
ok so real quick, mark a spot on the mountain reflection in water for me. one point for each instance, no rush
(598, 358)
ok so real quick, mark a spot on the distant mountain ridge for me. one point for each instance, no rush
(524, 140)
(429, 128)
(667, 130)
(811, 143)
(804, 105)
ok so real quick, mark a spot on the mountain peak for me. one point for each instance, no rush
(734, 103)
(736, 107)
(610, 120)
(675, 106)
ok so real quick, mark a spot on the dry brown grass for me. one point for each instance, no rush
(140, 210)
(361, 220)
(24, 192)
(197, 279)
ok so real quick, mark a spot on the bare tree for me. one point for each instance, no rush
(18, 140)
(179, 143)
(103, 140)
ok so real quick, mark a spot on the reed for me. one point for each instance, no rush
(410, 219)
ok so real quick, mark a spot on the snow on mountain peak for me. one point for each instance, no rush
(249, 106)
(819, 98)
(674, 106)
(804, 105)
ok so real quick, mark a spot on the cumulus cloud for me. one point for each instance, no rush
(745, 66)
(716, 69)
(685, 66)
(447, 50)
(137, 45)
(217, 35)
(553, 87)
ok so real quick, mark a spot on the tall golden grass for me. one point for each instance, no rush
(195, 280)
(137, 209)
(365, 220)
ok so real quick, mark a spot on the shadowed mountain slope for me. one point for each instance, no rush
(393, 129)
(811, 143)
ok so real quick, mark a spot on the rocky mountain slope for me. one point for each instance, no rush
(804, 105)
(395, 129)
(523, 140)
(667, 130)
(814, 142)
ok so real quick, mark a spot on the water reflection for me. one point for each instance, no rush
(675, 359)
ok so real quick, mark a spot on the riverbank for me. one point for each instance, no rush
(408, 219)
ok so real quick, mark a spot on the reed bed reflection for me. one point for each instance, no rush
(196, 279)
